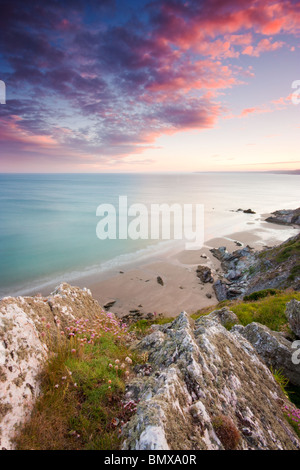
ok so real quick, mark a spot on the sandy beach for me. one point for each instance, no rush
(138, 289)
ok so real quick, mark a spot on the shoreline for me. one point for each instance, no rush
(138, 289)
(133, 287)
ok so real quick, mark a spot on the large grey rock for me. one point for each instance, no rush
(285, 217)
(293, 315)
(23, 348)
(220, 290)
(273, 348)
(204, 274)
(201, 371)
(224, 316)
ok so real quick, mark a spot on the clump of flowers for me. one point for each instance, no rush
(293, 415)
(86, 331)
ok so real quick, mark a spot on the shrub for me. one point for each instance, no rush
(292, 415)
(82, 388)
(260, 294)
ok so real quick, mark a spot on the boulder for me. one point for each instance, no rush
(204, 274)
(293, 315)
(273, 348)
(206, 389)
(219, 253)
(108, 305)
(224, 316)
(285, 217)
(23, 347)
(220, 290)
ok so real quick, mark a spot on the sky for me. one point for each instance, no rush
(147, 86)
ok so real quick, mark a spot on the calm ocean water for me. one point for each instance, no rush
(48, 222)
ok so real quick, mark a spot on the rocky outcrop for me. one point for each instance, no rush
(273, 348)
(205, 388)
(220, 289)
(26, 326)
(285, 217)
(201, 385)
(293, 315)
(224, 316)
(246, 271)
(204, 274)
(235, 267)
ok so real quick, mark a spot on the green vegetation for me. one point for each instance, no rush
(260, 294)
(281, 380)
(287, 250)
(82, 386)
(269, 310)
(295, 271)
(142, 327)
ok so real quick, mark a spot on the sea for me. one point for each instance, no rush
(48, 222)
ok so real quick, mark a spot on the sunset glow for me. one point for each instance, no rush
(171, 85)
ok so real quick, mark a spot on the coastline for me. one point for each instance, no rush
(132, 287)
(136, 289)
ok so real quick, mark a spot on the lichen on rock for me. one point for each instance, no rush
(23, 348)
(200, 371)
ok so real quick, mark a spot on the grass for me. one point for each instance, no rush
(269, 310)
(260, 294)
(295, 272)
(281, 380)
(143, 327)
(287, 250)
(82, 387)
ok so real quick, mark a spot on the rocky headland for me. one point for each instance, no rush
(245, 270)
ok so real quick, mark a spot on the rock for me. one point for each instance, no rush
(108, 305)
(249, 211)
(224, 316)
(220, 290)
(208, 295)
(160, 281)
(220, 252)
(203, 256)
(274, 349)
(236, 291)
(204, 274)
(293, 315)
(285, 217)
(233, 274)
(238, 243)
(135, 311)
(23, 348)
(199, 373)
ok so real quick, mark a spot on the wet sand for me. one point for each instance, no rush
(138, 289)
